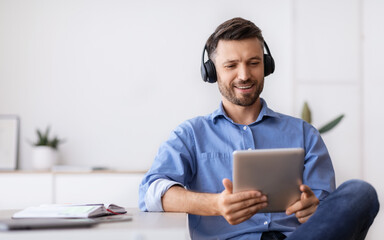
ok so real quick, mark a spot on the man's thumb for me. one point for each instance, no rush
(228, 185)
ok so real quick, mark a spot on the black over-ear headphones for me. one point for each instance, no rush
(208, 70)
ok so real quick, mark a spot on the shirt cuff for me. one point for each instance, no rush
(154, 193)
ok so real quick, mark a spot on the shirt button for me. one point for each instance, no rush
(245, 127)
(265, 223)
(249, 148)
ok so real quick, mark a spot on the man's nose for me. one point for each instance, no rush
(244, 72)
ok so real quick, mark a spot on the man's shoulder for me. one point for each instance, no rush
(278, 117)
(197, 122)
(288, 117)
(293, 121)
(283, 116)
(192, 127)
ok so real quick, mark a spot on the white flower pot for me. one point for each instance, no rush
(44, 157)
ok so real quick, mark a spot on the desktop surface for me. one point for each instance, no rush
(144, 225)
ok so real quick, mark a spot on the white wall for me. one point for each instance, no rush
(373, 98)
(114, 77)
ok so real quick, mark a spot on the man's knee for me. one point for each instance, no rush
(363, 193)
(359, 187)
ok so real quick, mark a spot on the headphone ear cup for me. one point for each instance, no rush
(269, 65)
(210, 68)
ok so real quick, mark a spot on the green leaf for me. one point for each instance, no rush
(306, 114)
(44, 140)
(331, 124)
(55, 143)
(46, 133)
(39, 136)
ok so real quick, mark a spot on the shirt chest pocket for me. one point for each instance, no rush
(211, 169)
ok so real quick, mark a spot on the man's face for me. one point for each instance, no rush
(240, 70)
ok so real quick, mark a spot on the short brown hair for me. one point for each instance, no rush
(233, 29)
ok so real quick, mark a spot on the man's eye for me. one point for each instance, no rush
(255, 63)
(230, 66)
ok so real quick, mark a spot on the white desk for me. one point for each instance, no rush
(144, 226)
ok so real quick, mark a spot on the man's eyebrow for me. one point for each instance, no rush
(255, 58)
(230, 61)
(236, 60)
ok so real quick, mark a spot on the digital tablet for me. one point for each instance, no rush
(277, 173)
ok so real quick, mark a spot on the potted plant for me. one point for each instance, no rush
(45, 151)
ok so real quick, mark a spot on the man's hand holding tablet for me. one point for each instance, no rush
(306, 206)
(238, 207)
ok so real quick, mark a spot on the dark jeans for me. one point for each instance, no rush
(273, 235)
(345, 214)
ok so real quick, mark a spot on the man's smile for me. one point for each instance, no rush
(244, 87)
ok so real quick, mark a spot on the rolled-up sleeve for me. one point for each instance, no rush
(154, 193)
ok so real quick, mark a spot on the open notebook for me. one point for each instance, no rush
(70, 211)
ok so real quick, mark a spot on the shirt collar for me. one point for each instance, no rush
(265, 112)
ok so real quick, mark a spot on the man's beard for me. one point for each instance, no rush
(246, 99)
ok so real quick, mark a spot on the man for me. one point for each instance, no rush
(192, 170)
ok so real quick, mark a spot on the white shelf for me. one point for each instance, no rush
(29, 188)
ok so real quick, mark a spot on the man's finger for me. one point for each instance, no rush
(304, 203)
(244, 214)
(294, 208)
(236, 206)
(306, 190)
(306, 212)
(241, 195)
(228, 185)
(303, 219)
(308, 200)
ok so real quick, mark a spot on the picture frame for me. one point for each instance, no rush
(9, 142)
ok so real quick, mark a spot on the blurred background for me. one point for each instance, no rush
(113, 78)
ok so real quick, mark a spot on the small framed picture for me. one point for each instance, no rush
(9, 142)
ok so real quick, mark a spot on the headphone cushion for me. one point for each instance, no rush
(211, 76)
(269, 65)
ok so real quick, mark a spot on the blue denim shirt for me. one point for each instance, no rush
(198, 155)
